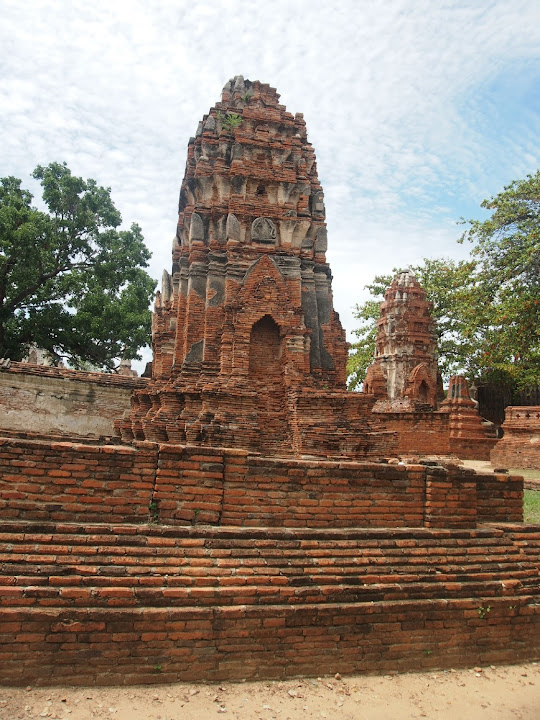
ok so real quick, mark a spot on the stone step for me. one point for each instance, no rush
(21, 574)
(66, 565)
(41, 561)
(136, 533)
(121, 596)
(163, 551)
(72, 563)
(219, 536)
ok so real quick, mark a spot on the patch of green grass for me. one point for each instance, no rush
(531, 506)
(528, 473)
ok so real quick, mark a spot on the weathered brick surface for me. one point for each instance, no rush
(232, 604)
(500, 497)
(72, 481)
(49, 401)
(225, 486)
(422, 433)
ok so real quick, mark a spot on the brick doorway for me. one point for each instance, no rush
(266, 376)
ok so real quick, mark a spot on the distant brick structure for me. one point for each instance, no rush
(468, 435)
(49, 401)
(520, 445)
(404, 380)
(404, 372)
(255, 521)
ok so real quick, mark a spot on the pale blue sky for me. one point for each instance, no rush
(417, 109)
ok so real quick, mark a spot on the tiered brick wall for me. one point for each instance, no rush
(56, 401)
(128, 604)
(520, 446)
(176, 484)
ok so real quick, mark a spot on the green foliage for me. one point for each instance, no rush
(70, 281)
(153, 510)
(483, 611)
(363, 350)
(506, 247)
(531, 504)
(229, 121)
(487, 308)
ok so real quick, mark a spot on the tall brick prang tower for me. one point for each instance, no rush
(245, 321)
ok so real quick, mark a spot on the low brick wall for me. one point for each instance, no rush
(499, 497)
(75, 482)
(219, 486)
(125, 647)
(57, 401)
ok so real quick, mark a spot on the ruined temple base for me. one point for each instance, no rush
(157, 563)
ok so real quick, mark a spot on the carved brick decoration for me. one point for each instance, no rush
(404, 373)
(244, 324)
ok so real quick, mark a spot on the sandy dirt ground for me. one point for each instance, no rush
(492, 693)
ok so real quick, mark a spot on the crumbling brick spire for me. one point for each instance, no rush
(247, 311)
(250, 202)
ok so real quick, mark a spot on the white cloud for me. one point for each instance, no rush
(404, 104)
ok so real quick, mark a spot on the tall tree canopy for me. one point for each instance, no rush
(506, 248)
(71, 282)
(487, 308)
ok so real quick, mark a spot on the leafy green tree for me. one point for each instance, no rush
(362, 351)
(71, 282)
(506, 248)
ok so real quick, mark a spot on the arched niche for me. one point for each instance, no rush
(265, 349)
(266, 378)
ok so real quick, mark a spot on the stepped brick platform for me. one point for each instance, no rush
(253, 566)
(123, 604)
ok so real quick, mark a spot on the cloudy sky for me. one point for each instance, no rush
(417, 109)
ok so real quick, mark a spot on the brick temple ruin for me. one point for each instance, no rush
(252, 518)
